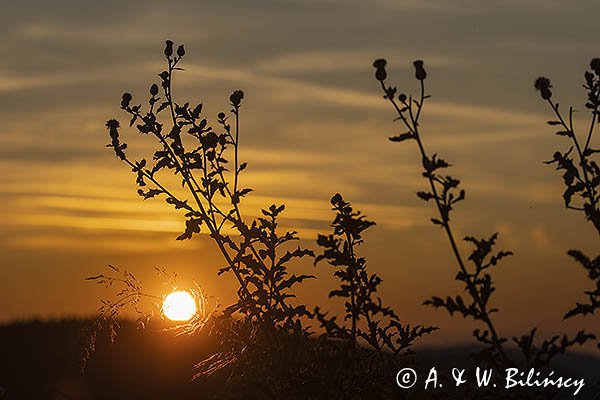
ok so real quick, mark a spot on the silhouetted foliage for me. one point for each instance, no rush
(261, 342)
(207, 163)
(213, 186)
(388, 340)
(262, 345)
(592, 266)
(445, 191)
(40, 360)
(581, 174)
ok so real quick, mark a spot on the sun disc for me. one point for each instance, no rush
(179, 306)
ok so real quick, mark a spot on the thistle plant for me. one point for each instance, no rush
(388, 342)
(474, 272)
(199, 156)
(263, 343)
(263, 347)
(580, 173)
(207, 164)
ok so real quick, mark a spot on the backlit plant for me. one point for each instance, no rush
(580, 173)
(376, 341)
(263, 344)
(264, 347)
(474, 271)
(207, 164)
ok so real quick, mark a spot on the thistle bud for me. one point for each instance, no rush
(236, 98)
(112, 125)
(595, 65)
(154, 89)
(420, 73)
(543, 86)
(221, 115)
(380, 72)
(125, 100)
(181, 51)
(169, 48)
(337, 198)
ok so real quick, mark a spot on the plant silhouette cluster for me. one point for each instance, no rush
(210, 174)
(264, 348)
(581, 173)
(444, 190)
(388, 340)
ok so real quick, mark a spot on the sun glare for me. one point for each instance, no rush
(179, 306)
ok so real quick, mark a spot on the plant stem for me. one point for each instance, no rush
(413, 127)
(237, 141)
(591, 130)
(352, 287)
(193, 185)
(236, 208)
(581, 153)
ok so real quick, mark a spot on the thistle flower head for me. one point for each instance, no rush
(380, 63)
(168, 48)
(380, 73)
(112, 124)
(420, 73)
(236, 98)
(125, 100)
(595, 66)
(543, 85)
(336, 199)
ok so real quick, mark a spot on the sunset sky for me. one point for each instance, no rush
(313, 124)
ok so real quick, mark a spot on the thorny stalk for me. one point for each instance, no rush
(412, 124)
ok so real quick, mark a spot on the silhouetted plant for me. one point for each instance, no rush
(445, 191)
(581, 173)
(262, 346)
(207, 163)
(203, 171)
(592, 266)
(388, 340)
(263, 349)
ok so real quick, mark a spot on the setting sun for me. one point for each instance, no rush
(179, 306)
